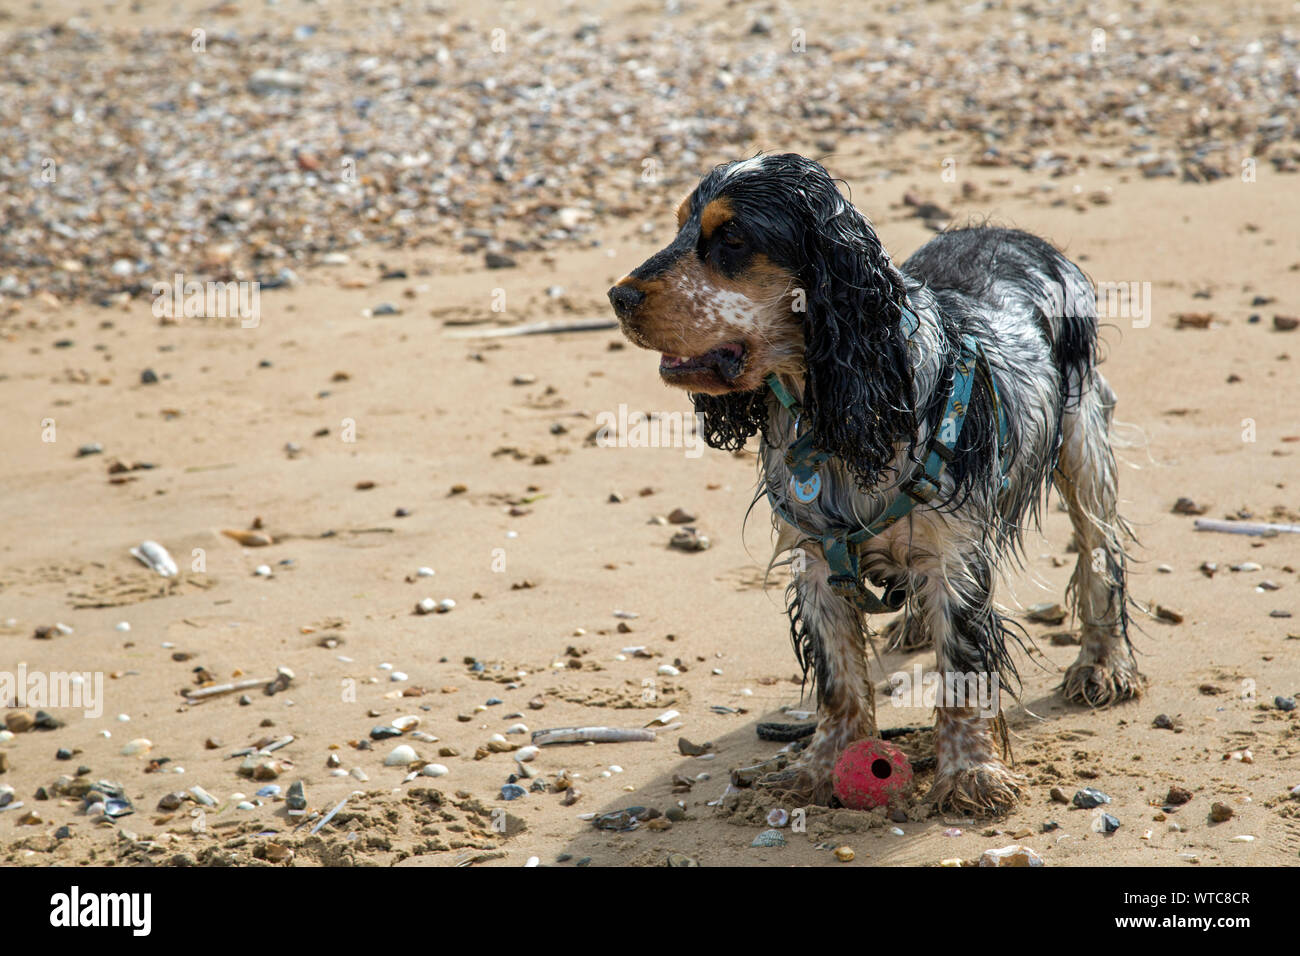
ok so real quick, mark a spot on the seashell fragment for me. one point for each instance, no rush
(155, 557)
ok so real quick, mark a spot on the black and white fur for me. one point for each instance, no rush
(873, 397)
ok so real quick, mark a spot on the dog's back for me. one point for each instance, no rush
(1014, 272)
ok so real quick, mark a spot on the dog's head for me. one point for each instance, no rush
(773, 271)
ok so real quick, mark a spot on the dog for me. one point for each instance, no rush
(911, 423)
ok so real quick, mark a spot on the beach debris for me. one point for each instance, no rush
(296, 799)
(600, 735)
(269, 685)
(249, 539)
(155, 557)
(1045, 613)
(329, 816)
(400, 756)
(1177, 796)
(1089, 797)
(1105, 823)
(1014, 855)
(844, 854)
(1253, 528)
(769, 838)
(689, 539)
(1186, 506)
(777, 817)
(626, 819)
(1220, 812)
(512, 791)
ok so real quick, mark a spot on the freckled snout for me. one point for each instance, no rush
(625, 300)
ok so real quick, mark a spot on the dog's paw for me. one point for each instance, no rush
(1102, 683)
(984, 789)
(802, 783)
(906, 633)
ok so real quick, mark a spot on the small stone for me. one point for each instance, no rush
(512, 791)
(1107, 823)
(495, 260)
(297, 796)
(1015, 855)
(844, 853)
(434, 770)
(1220, 812)
(689, 539)
(19, 721)
(148, 377)
(1284, 703)
(680, 516)
(1177, 796)
(1089, 797)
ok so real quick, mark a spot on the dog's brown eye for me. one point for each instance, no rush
(733, 238)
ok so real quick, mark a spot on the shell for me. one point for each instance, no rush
(249, 539)
(400, 756)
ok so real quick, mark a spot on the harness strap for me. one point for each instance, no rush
(842, 549)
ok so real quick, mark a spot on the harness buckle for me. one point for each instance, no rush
(922, 490)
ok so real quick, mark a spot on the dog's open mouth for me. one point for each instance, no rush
(726, 361)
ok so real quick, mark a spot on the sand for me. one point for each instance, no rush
(538, 558)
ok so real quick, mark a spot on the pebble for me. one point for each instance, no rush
(297, 796)
(512, 791)
(844, 854)
(1015, 855)
(141, 745)
(400, 756)
(1089, 797)
(433, 770)
(1220, 812)
(1284, 703)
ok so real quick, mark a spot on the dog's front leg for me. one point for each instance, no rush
(829, 631)
(956, 604)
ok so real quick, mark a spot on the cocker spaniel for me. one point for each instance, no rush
(911, 421)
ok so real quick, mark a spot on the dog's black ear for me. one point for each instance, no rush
(731, 420)
(858, 393)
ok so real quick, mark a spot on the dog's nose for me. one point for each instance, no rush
(625, 299)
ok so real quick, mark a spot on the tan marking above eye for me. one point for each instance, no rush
(684, 211)
(715, 214)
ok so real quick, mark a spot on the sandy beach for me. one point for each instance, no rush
(365, 425)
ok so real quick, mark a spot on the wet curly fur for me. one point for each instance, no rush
(774, 272)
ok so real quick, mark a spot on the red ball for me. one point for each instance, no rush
(871, 773)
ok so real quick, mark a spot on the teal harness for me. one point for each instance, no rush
(843, 548)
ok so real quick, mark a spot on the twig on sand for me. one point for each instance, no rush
(270, 685)
(329, 816)
(536, 328)
(1257, 528)
(580, 735)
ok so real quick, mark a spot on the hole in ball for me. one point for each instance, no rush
(881, 768)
